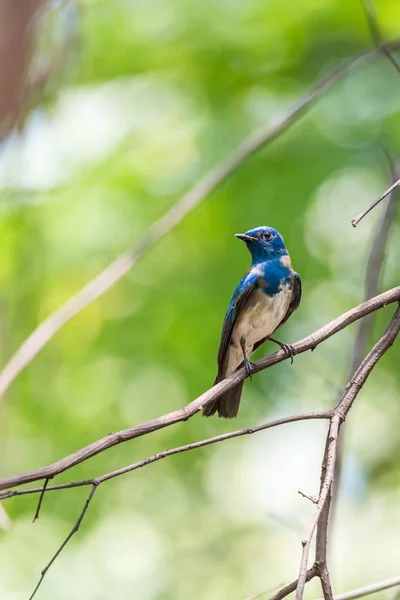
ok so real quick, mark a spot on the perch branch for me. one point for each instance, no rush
(182, 414)
(120, 266)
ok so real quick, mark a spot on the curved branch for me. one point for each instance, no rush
(116, 270)
(182, 414)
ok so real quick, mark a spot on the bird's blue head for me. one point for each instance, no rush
(264, 243)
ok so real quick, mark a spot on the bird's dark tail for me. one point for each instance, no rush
(227, 405)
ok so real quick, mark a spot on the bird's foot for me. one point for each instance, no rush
(249, 368)
(287, 348)
(247, 364)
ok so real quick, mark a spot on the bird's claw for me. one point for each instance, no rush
(249, 368)
(289, 351)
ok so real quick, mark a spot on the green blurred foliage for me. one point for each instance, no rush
(152, 95)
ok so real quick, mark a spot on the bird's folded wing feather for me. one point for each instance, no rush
(296, 297)
(238, 300)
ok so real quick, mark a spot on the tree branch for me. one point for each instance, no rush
(118, 268)
(325, 491)
(390, 189)
(321, 546)
(373, 588)
(372, 20)
(288, 589)
(65, 542)
(339, 415)
(182, 414)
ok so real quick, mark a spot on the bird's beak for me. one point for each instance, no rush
(244, 237)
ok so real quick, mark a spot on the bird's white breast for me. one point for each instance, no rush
(258, 319)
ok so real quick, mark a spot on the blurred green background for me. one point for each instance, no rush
(146, 97)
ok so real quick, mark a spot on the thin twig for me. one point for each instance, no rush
(39, 505)
(264, 593)
(118, 268)
(65, 542)
(373, 588)
(390, 189)
(288, 589)
(372, 20)
(311, 498)
(182, 414)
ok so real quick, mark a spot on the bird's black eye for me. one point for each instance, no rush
(267, 235)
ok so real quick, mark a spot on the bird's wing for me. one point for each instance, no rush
(296, 297)
(238, 300)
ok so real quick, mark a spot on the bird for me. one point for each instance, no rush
(265, 298)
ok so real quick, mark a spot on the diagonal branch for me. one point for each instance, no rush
(288, 589)
(372, 20)
(74, 530)
(390, 189)
(119, 267)
(183, 414)
(339, 415)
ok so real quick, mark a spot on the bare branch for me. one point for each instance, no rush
(39, 506)
(325, 491)
(372, 20)
(65, 542)
(311, 498)
(288, 589)
(321, 546)
(118, 268)
(339, 415)
(264, 593)
(390, 189)
(182, 414)
(373, 588)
